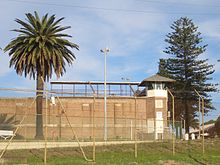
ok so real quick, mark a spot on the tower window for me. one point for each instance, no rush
(158, 103)
(159, 86)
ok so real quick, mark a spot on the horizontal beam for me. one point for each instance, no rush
(93, 83)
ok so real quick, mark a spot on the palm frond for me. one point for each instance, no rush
(40, 47)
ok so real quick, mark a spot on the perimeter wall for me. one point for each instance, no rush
(124, 116)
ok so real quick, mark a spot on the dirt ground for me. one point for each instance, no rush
(171, 162)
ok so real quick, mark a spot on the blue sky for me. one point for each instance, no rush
(134, 30)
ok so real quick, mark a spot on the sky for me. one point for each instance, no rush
(133, 30)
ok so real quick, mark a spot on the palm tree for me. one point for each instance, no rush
(40, 50)
(7, 123)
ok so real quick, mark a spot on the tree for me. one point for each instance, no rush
(210, 122)
(162, 68)
(188, 69)
(40, 50)
(217, 126)
(7, 123)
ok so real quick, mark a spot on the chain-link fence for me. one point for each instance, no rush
(77, 122)
(84, 115)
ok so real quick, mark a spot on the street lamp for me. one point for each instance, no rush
(125, 80)
(105, 51)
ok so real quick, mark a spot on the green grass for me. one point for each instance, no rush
(148, 153)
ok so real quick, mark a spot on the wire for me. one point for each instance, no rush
(112, 9)
(176, 3)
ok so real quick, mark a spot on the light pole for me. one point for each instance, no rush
(199, 116)
(173, 116)
(203, 138)
(125, 80)
(105, 51)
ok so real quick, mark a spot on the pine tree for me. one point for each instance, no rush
(162, 68)
(188, 69)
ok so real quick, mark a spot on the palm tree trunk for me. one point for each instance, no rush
(39, 108)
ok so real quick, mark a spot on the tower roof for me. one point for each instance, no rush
(156, 78)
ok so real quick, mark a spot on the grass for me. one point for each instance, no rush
(148, 153)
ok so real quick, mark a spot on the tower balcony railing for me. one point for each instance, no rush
(157, 93)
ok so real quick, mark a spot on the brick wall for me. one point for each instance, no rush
(79, 111)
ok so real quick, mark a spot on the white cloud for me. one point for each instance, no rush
(4, 66)
(210, 28)
(128, 34)
(124, 33)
